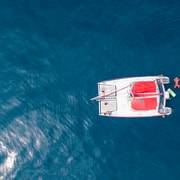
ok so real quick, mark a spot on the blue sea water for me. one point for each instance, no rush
(52, 54)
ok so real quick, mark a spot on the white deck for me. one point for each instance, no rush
(118, 101)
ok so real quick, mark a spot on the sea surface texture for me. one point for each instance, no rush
(52, 54)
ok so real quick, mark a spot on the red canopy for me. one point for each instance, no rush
(144, 87)
(144, 103)
(142, 100)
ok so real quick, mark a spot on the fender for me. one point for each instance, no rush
(176, 81)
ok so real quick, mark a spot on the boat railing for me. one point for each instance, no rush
(109, 98)
(104, 98)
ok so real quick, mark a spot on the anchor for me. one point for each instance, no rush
(176, 80)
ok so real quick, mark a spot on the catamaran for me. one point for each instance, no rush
(133, 97)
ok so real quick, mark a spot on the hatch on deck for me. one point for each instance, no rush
(108, 102)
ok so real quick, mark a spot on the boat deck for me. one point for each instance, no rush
(115, 99)
(109, 103)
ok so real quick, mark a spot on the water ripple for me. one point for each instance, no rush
(21, 142)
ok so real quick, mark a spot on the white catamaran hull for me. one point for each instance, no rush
(133, 97)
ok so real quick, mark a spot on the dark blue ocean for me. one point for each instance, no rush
(52, 54)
